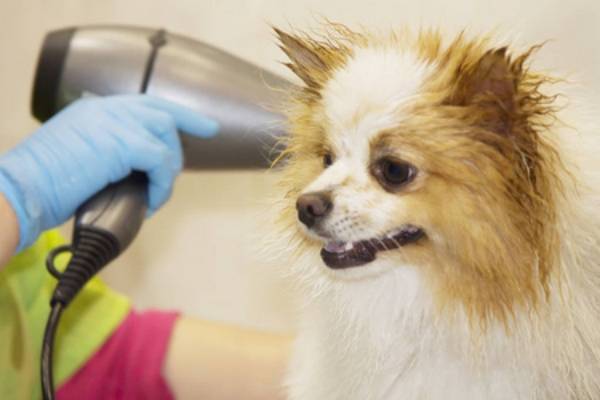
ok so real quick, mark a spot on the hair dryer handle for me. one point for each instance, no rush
(105, 225)
(119, 210)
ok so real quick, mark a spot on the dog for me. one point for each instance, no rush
(441, 212)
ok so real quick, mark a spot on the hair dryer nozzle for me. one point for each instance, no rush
(49, 70)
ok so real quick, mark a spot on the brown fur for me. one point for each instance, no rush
(490, 174)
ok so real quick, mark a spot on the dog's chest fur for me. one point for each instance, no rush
(382, 343)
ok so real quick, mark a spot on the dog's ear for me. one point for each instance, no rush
(305, 59)
(489, 85)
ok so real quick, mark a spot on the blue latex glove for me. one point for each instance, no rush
(92, 143)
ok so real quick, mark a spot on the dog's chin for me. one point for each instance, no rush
(382, 265)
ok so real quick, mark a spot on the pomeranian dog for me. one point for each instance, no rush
(442, 215)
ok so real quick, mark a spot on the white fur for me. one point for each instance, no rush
(374, 335)
(372, 86)
(361, 100)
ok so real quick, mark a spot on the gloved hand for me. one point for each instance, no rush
(92, 143)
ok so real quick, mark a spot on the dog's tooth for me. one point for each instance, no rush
(348, 246)
(335, 247)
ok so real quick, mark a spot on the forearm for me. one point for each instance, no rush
(9, 237)
(213, 361)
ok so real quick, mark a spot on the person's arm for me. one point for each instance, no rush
(9, 238)
(206, 360)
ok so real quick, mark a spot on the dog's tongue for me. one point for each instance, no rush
(338, 255)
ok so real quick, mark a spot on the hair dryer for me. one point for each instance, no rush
(105, 60)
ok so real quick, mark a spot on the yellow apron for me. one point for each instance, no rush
(25, 290)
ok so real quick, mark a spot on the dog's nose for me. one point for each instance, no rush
(313, 207)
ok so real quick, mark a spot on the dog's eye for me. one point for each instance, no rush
(327, 160)
(393, 174)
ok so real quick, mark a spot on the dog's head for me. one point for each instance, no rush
(405, 151)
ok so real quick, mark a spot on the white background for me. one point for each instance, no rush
(198, 254)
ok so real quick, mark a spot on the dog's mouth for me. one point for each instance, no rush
(339, 255)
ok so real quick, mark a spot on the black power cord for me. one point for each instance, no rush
(93, 249)
(47, 351)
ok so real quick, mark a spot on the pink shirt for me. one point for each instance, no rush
(129, 365)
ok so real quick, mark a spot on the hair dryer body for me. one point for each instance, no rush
(107, 60)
